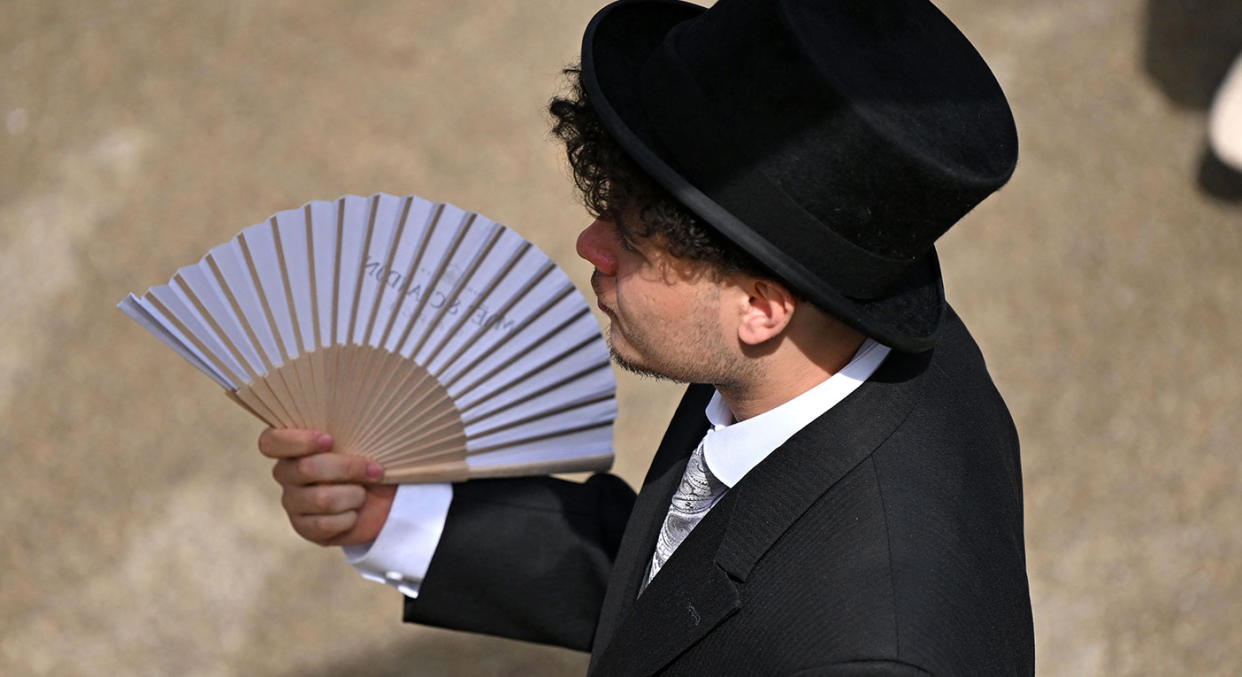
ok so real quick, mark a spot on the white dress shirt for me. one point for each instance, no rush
(401, 553)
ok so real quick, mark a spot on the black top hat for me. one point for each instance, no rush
(834, 140)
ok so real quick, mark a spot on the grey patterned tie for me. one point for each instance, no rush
(696, 494)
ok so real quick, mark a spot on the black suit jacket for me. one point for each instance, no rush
(883, 538)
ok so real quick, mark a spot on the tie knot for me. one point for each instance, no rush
(699, 488)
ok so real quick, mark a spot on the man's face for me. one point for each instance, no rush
(667, 316)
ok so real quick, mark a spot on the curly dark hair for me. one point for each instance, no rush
(609, 181)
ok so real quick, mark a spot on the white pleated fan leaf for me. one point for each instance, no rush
(430, 339)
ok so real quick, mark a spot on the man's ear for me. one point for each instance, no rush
(766, 310)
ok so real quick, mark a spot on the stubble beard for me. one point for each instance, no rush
(703, 362)
(637, 369)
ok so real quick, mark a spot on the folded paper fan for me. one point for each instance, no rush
(430, 339)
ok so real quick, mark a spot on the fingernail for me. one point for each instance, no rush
(374, 472)
(325, 442)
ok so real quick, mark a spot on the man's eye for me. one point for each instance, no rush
(627, 245)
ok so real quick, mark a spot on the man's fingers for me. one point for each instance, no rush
(323, 499)
(288, 443)
(326, 468)
(322, 529)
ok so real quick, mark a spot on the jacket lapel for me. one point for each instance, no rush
(780, 489)
(684, 432)
(684, 603)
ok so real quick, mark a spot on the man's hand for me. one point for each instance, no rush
(330, 498)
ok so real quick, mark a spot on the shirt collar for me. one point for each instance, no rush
(732, 449)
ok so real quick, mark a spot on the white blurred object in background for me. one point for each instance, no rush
(1225, 118)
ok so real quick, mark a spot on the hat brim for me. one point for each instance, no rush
(617, 42)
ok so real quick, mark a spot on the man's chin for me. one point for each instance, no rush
(636, 368)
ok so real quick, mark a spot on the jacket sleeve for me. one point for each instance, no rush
(526, 558)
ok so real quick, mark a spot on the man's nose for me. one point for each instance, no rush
(597, 244)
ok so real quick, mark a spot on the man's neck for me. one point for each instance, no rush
(786, 374)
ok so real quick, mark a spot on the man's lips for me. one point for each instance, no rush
(596, 286)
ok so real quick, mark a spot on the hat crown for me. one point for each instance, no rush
(876, 116)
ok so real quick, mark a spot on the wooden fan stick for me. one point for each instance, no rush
(468, 421)
(384, 399)
(409, 422)
(504, 311)
(458, 237)
(501, 272)
(347, 405)
(293, 377)
(473, 266)
(255, 405)
(423, 424)
(412, 413)
(278, 385)
(563, 409)
(349, 445)
(445, 440)
(451, 439)
(453, 426)
(455, 243)
(386, 389)
(305, 368)
(455, 471)
(406, 410)
(160, 315)
(272, 406)
(369, 365)
(451, 447)
(193, 337)
(455, 292)
(420, 248)
(352, 353)
(533, 371)
(396, 393)
(522, 353)
(237, 399)
(394, 240)
(332, 365)
(379, 376)
(362, 388)
(518, 329)
(268, 394)
(539, 438)
(320, 360)
(529, 373)
(467, 221)
(318, 372)
(596, 463)
(382, 412)
(416, 314)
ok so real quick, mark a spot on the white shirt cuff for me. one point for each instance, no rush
(400, 554)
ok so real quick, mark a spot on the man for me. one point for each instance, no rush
(841, 494)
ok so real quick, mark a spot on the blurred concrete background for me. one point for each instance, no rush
(142, 534)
